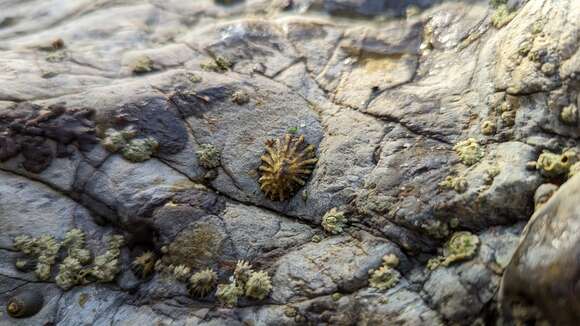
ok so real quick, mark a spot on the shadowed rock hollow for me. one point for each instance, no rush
(433, 124)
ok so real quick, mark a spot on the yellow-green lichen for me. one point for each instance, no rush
(553, 165)
(461, 246)
(459, 184)
(469, 151)
(334, 221)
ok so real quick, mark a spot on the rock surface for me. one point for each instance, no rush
(543, 272)
(386, 93)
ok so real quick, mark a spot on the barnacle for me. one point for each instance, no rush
(143, 265)
(243, 271)
(25, 304)
(391, 260)
(258, 285)
(469, 151)
(334, 221)
(285, 167)
(552, 165)
(24, 265)
(70, 273)
(139, 150)
(384, 278)
(201, 283)
(181, 272)
(209, 156)
(116, 140)
(106, 266)
(461, 246)
(229, 294)
(44, 249)
(488, 128)
(569, 115)
(74, 239)
(459, 184)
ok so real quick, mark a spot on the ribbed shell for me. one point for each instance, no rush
(286, 166)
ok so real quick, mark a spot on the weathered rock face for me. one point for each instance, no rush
(150, 119)
(544, 269)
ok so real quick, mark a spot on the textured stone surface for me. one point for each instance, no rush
(544, 269)
(384, 90)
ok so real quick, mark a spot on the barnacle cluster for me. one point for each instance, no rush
(106, 266)
(385, 277)
(285, 167)
(553, 165)
(334, 221)
(246, 281)
(208, 156)
(461, 246)
(74, 240)
(132, 149)
(144, 264)
(459, 184)
(469, 151)
(43, 249)
(76, 268)
(202, 282)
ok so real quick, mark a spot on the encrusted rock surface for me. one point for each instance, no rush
(383, 91)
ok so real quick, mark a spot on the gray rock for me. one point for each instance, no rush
(542, 271)
(383, 98)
